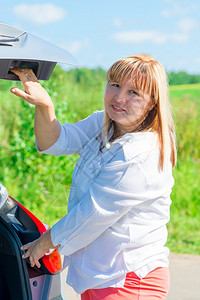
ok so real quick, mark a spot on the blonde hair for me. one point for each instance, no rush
(149, 76)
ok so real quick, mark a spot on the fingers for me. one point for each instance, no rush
(24, 74)
(38, 264)
(34, 253)
(33, 261)
(27, 254)
(20, 93)
(33, 92)
(26, 246)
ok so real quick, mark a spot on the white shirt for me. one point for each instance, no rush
(118, 206)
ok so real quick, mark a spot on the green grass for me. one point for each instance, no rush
(42, 182)
(184, 229)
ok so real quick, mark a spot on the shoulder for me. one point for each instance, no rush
(137, 164)
(137, 146)
(97, 116)
(87, 127)
(132, 150)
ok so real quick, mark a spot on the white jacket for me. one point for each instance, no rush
(118, 206)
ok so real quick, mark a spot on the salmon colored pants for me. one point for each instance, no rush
(154, 286)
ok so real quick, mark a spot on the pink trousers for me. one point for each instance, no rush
(154, 286)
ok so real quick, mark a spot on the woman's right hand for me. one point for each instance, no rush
(47, 128)
(34, 93)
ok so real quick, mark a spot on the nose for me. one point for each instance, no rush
(120, 97)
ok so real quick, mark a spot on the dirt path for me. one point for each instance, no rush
(185, 279)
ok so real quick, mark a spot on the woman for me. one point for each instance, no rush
(114, 234)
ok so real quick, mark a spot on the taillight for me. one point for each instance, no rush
(52, 262)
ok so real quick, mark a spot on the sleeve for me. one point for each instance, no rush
(74, 137)
(118, 188)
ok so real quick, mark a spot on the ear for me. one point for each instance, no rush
(152, 104)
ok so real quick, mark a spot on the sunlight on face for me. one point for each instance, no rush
(126, 105)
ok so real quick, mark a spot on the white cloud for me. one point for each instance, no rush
(180, 37)
(40, 14)
(187, 24)
(74, 47)
(178, 10)
(135, 36)
(117, 23)
(140, 36)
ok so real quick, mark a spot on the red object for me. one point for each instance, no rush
(155, 285)
(41, 227)
(51, 261)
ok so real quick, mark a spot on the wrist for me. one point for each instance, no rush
(48, 105)
(45, 241)
(47, 112)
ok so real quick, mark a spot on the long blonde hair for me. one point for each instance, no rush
(149, 76)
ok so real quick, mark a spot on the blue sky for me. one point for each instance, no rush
(97, 32)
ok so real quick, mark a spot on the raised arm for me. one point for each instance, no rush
(47, 127)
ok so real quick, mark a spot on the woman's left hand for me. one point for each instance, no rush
(37, 248)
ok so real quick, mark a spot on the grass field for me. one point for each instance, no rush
(184, 229)
(42, 182)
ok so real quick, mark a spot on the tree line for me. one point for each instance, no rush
(182, 78)
(88, 75)
(97, 77)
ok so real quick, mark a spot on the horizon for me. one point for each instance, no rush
(99, 33)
